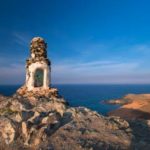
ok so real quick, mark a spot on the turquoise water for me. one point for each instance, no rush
(90, 96)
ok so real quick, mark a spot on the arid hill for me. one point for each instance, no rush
(134, 106)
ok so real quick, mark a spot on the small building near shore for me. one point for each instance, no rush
(38, 66)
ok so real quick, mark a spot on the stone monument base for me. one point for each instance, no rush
(32, 96)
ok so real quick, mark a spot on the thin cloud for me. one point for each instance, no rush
(141, 48)
(14, 74)
(21, 38)
(85, 72)
(98, 66)
(93, 72)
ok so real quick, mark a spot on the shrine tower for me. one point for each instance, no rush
(38, 66)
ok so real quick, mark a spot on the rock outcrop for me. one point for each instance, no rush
(44, 121)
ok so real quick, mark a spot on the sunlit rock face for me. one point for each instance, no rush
(38, 66)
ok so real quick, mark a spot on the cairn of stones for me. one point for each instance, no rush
(38, 51)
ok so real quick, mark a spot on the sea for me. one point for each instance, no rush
(90, 95)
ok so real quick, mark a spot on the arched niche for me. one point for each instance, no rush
(39, 77)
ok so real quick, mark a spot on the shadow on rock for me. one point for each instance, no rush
(130, 114)
(140, 127)
(141, 134)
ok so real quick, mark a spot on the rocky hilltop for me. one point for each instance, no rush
(44, 121)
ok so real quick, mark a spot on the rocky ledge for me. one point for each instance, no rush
(42, 120)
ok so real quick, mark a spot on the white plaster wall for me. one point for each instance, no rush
(30, 75)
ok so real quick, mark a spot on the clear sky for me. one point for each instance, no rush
(89, 41)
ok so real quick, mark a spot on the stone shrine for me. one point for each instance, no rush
(37, 66)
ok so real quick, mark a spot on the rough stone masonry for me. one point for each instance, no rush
(38, 66)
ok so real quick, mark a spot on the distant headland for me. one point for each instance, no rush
(134, 106)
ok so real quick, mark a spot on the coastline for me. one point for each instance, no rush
(133, 106)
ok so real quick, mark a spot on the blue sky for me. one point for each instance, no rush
(89, 41)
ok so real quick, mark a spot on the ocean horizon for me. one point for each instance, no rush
(90, 95)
